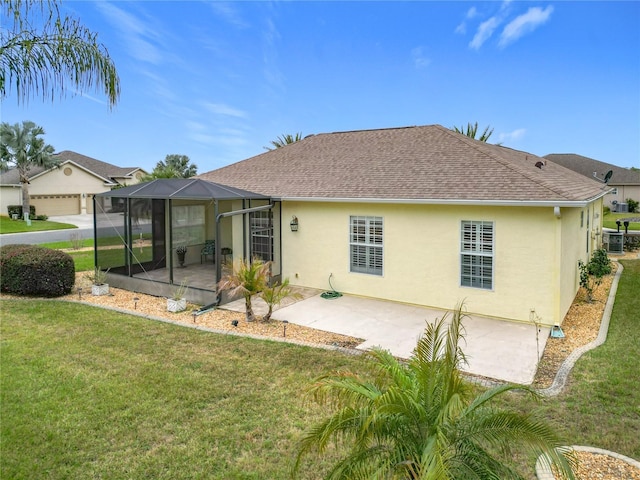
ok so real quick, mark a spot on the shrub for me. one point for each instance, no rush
(17, 209)
(34, 270)
(41, 217)
(633, 205)
(591, 273)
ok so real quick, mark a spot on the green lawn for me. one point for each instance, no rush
(609, 220)
(89, 393)
(18, 226)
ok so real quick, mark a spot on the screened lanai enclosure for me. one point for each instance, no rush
(153, 237)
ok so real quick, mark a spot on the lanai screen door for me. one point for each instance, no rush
(262, 235)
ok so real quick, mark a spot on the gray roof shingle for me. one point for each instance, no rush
(424, 163)
(587, 166)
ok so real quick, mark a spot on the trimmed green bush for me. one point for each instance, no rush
(17, 209)
(633, 205)
(34, 270)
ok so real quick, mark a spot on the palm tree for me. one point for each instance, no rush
(22, 148)
(246, 279)
(472, 131)
(420, 419)
(283, 140)
(39, 61)
(274, 295)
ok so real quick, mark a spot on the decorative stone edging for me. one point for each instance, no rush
(543, 471)
(560, 380)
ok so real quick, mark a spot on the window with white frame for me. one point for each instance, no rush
(476, 254)
(614, 191)
(365, 243)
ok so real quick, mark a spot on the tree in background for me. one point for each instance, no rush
(173, 166)
(23, 148)
(40, 52)
(283, 140)
(421, 419)
(472, 131)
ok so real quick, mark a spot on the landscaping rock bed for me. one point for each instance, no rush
(218, 319)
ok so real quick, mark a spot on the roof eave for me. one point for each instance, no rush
(442, 201)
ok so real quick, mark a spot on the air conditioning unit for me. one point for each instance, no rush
(616, 242)
(623, 207)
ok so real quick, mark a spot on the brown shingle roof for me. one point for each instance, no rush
(104, 170)
(586, 166)
(411, 163)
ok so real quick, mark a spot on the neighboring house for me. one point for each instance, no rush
(419, 215)
(69, 188)
(625, 183)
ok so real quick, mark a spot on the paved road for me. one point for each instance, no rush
(84, 230)
(34, 238)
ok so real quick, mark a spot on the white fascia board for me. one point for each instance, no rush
(435, 201)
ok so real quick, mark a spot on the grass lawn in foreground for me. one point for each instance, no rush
(18, 226)
(90, 393)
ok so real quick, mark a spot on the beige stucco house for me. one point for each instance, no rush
(419, 215)
(624, 183)
(69, 188)
(426, 216)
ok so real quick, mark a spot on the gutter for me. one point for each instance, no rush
(442, 201)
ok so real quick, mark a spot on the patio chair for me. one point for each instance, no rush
(208, 249)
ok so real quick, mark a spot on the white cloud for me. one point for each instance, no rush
(222, 109)
(229, 13)
(139, 38)
(462, 28)
(89, 97)
(485, 30)
(523, 24)
(512, 136)
(272, 73)
(420, 60)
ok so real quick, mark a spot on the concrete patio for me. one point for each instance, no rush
(497, 349)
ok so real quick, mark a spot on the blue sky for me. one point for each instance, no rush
(217, 81)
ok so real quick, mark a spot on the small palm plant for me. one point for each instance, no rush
(246, 279)
(274, 295)
(421, 420)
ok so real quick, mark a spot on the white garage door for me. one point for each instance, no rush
(56, 204)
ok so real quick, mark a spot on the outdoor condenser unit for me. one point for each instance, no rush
(616, 242)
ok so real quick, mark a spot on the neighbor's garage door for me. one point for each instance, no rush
(56, 204)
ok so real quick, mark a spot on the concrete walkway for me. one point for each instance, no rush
(500, 350)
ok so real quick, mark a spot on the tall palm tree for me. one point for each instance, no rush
(247, 278)
(421, 420)
(283, 140)
(58, 52)
(22, 148)
(472, 131)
